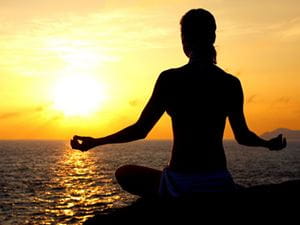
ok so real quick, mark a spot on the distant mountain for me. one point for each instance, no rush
(289, 134)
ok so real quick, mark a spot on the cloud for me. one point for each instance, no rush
(283, 100)
(289, 30)
(251, 99)
(9, 115)
(22, 112)
(134, 102)
(51, 119)
(37, 46)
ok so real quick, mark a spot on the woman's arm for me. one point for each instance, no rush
(139, 130)
(239, 126)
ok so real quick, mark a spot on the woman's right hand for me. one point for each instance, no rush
(277, 143)
(83, 143)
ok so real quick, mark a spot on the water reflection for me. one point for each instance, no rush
(77, 190)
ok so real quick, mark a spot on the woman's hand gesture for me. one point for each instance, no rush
(83, 143)
(277, 143)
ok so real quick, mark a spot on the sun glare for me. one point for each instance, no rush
(77, 95)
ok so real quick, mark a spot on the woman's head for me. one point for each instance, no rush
(198, 28)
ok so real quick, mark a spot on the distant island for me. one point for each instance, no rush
(291, 135)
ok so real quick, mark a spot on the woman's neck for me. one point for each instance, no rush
(200, 60)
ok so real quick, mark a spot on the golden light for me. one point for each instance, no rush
(78, 95)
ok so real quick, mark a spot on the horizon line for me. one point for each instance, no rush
(50, 139)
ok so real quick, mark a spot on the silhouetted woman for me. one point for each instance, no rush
(198, 97)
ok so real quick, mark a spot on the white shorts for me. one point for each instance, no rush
(177, 184)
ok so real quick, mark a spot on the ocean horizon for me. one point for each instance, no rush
(46, 182)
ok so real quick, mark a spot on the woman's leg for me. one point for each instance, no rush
(139, 180)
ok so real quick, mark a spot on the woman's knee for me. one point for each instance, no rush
(124, 172)
(138, 180)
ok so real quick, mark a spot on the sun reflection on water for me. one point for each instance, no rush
(77, 190)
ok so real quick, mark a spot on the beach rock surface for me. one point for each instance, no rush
(205, 205)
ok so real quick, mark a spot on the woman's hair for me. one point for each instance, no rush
(198, 28)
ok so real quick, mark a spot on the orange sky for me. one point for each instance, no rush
(72, 49)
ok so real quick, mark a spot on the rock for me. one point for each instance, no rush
(203, 206)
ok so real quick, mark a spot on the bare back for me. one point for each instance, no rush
(198, 98)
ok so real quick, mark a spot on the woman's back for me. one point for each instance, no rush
(198, 98)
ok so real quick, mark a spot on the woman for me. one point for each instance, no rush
(198, 97)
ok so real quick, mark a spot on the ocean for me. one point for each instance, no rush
(46, 182)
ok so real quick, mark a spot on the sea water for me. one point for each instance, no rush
(46, 182)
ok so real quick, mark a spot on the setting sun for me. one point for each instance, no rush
(77, 95)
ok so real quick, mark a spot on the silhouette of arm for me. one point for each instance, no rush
(139, 130)
(239, 126)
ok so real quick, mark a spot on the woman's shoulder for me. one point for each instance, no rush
(225, 75)
(174, 70)
(171, 73)
(179, 73)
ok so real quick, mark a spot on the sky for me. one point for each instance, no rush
(88, 67)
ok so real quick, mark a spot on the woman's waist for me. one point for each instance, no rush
(183, 168)
(197, 164)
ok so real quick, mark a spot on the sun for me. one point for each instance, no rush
(77, 95)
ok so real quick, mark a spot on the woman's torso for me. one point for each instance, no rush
(197, 97)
